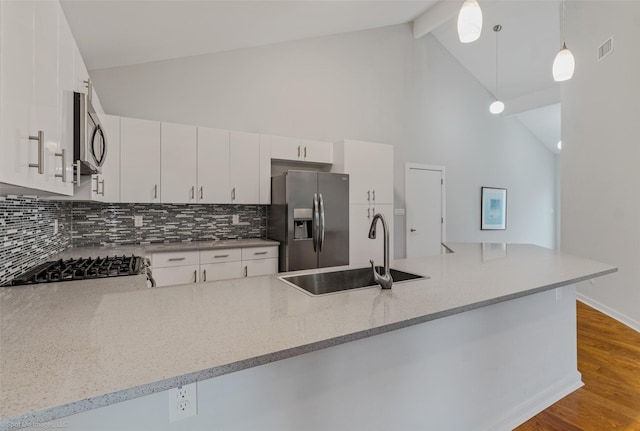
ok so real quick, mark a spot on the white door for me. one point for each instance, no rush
(424, 194)
(139, 161)
(213, 166)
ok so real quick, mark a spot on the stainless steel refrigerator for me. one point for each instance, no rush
(309, 215)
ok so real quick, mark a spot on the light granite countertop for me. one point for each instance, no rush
(146, 249)
(70, 347)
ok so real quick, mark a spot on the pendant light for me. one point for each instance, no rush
(469, 21)
(564, 63)
(496, 107)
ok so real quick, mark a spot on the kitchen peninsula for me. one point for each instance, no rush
(484, 343)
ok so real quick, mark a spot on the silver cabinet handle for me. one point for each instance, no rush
(218, 256)
(195, 275)
(412, 230)
(374, 195)
(369, 195)
(204, 275)
(298, 151)
(193, 192)
(259, 253)
(368, 212)
(97, 182)
(246, 271)
(63, 156)
(233, 194)
(305, 152)
(175, 259)
(40, 164)
(155, 191)
(201, 193)
(102, 192)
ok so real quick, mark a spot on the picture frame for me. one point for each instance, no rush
(493, 211)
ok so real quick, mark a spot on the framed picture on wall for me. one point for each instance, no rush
(493, 213)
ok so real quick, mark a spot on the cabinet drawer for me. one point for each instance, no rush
(221, 271)
(175, 275)
(219, 256)
(260, 252)
(169, 259)
(252, 268)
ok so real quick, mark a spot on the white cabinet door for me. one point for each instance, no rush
(370, 169)
(80, 74)
(176, 275)
(220, 271)
(361, 248)
(244, 178)
(110, 188)
(284, 148)
(213, 166)
(265, 170)
(252, 268)
(16, 85)
(178, 169)
(139, 160)
(317, 151)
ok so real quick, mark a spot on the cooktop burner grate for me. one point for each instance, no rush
(81, 269)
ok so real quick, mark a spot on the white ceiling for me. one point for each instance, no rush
(112, 33)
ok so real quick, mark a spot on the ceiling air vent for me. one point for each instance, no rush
(605, 49)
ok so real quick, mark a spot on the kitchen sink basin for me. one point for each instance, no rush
(337, 281)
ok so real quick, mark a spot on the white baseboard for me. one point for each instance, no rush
(625, 320)
(525, 411)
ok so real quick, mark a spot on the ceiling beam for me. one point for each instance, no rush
(435, 16)
(531, 101)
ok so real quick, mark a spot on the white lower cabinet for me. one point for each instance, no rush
(172, 268)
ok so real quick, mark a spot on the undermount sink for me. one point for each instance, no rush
(337, 281)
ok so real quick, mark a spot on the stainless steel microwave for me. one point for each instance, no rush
(89, 137)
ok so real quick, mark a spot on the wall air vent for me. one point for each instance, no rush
(605, 49)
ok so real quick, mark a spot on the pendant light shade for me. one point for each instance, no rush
(469, 21)
(496, 107)
(563, 65)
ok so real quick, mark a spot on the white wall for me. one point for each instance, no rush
(378, 85)
(600, 159)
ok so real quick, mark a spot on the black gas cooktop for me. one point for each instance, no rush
(81, 269)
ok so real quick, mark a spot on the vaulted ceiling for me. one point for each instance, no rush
(112, 33)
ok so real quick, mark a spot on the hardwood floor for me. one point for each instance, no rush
(609, 360)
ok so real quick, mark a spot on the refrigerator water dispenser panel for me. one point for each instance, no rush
(303, 223)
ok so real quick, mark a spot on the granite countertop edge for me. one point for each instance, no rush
(74, 407)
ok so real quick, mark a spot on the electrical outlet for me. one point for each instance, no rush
(55, 226)
(137, 221)
(235, 219)
(183, 402)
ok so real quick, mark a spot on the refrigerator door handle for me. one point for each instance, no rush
(321, 232)
(316, 222)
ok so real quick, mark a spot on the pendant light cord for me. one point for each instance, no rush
(496, 29)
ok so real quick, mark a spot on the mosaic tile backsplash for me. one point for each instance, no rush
(27, 227)
(101, 224)
(27, 233)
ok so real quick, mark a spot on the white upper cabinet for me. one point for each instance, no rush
(30, 139)
(178, 171)
(139, 160)
(265, 170)
(109, 179)
(301, 150)
(370, 169)
(213, 166)
(244, 178)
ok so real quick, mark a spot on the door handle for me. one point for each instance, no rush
(102, 192)
(374, 195)
(246, 271)
(40, 138)
(316, 222)
(155, 191)
(201, 193)
(204, 275)
(412, 230)
(97, 184)
(368, 195)
(322, 221)
(298, 151)
(193, 192)
(259, 253)
(220, 256)
(233, 194)
(176, 259)
(195, 275)
(305, 152)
